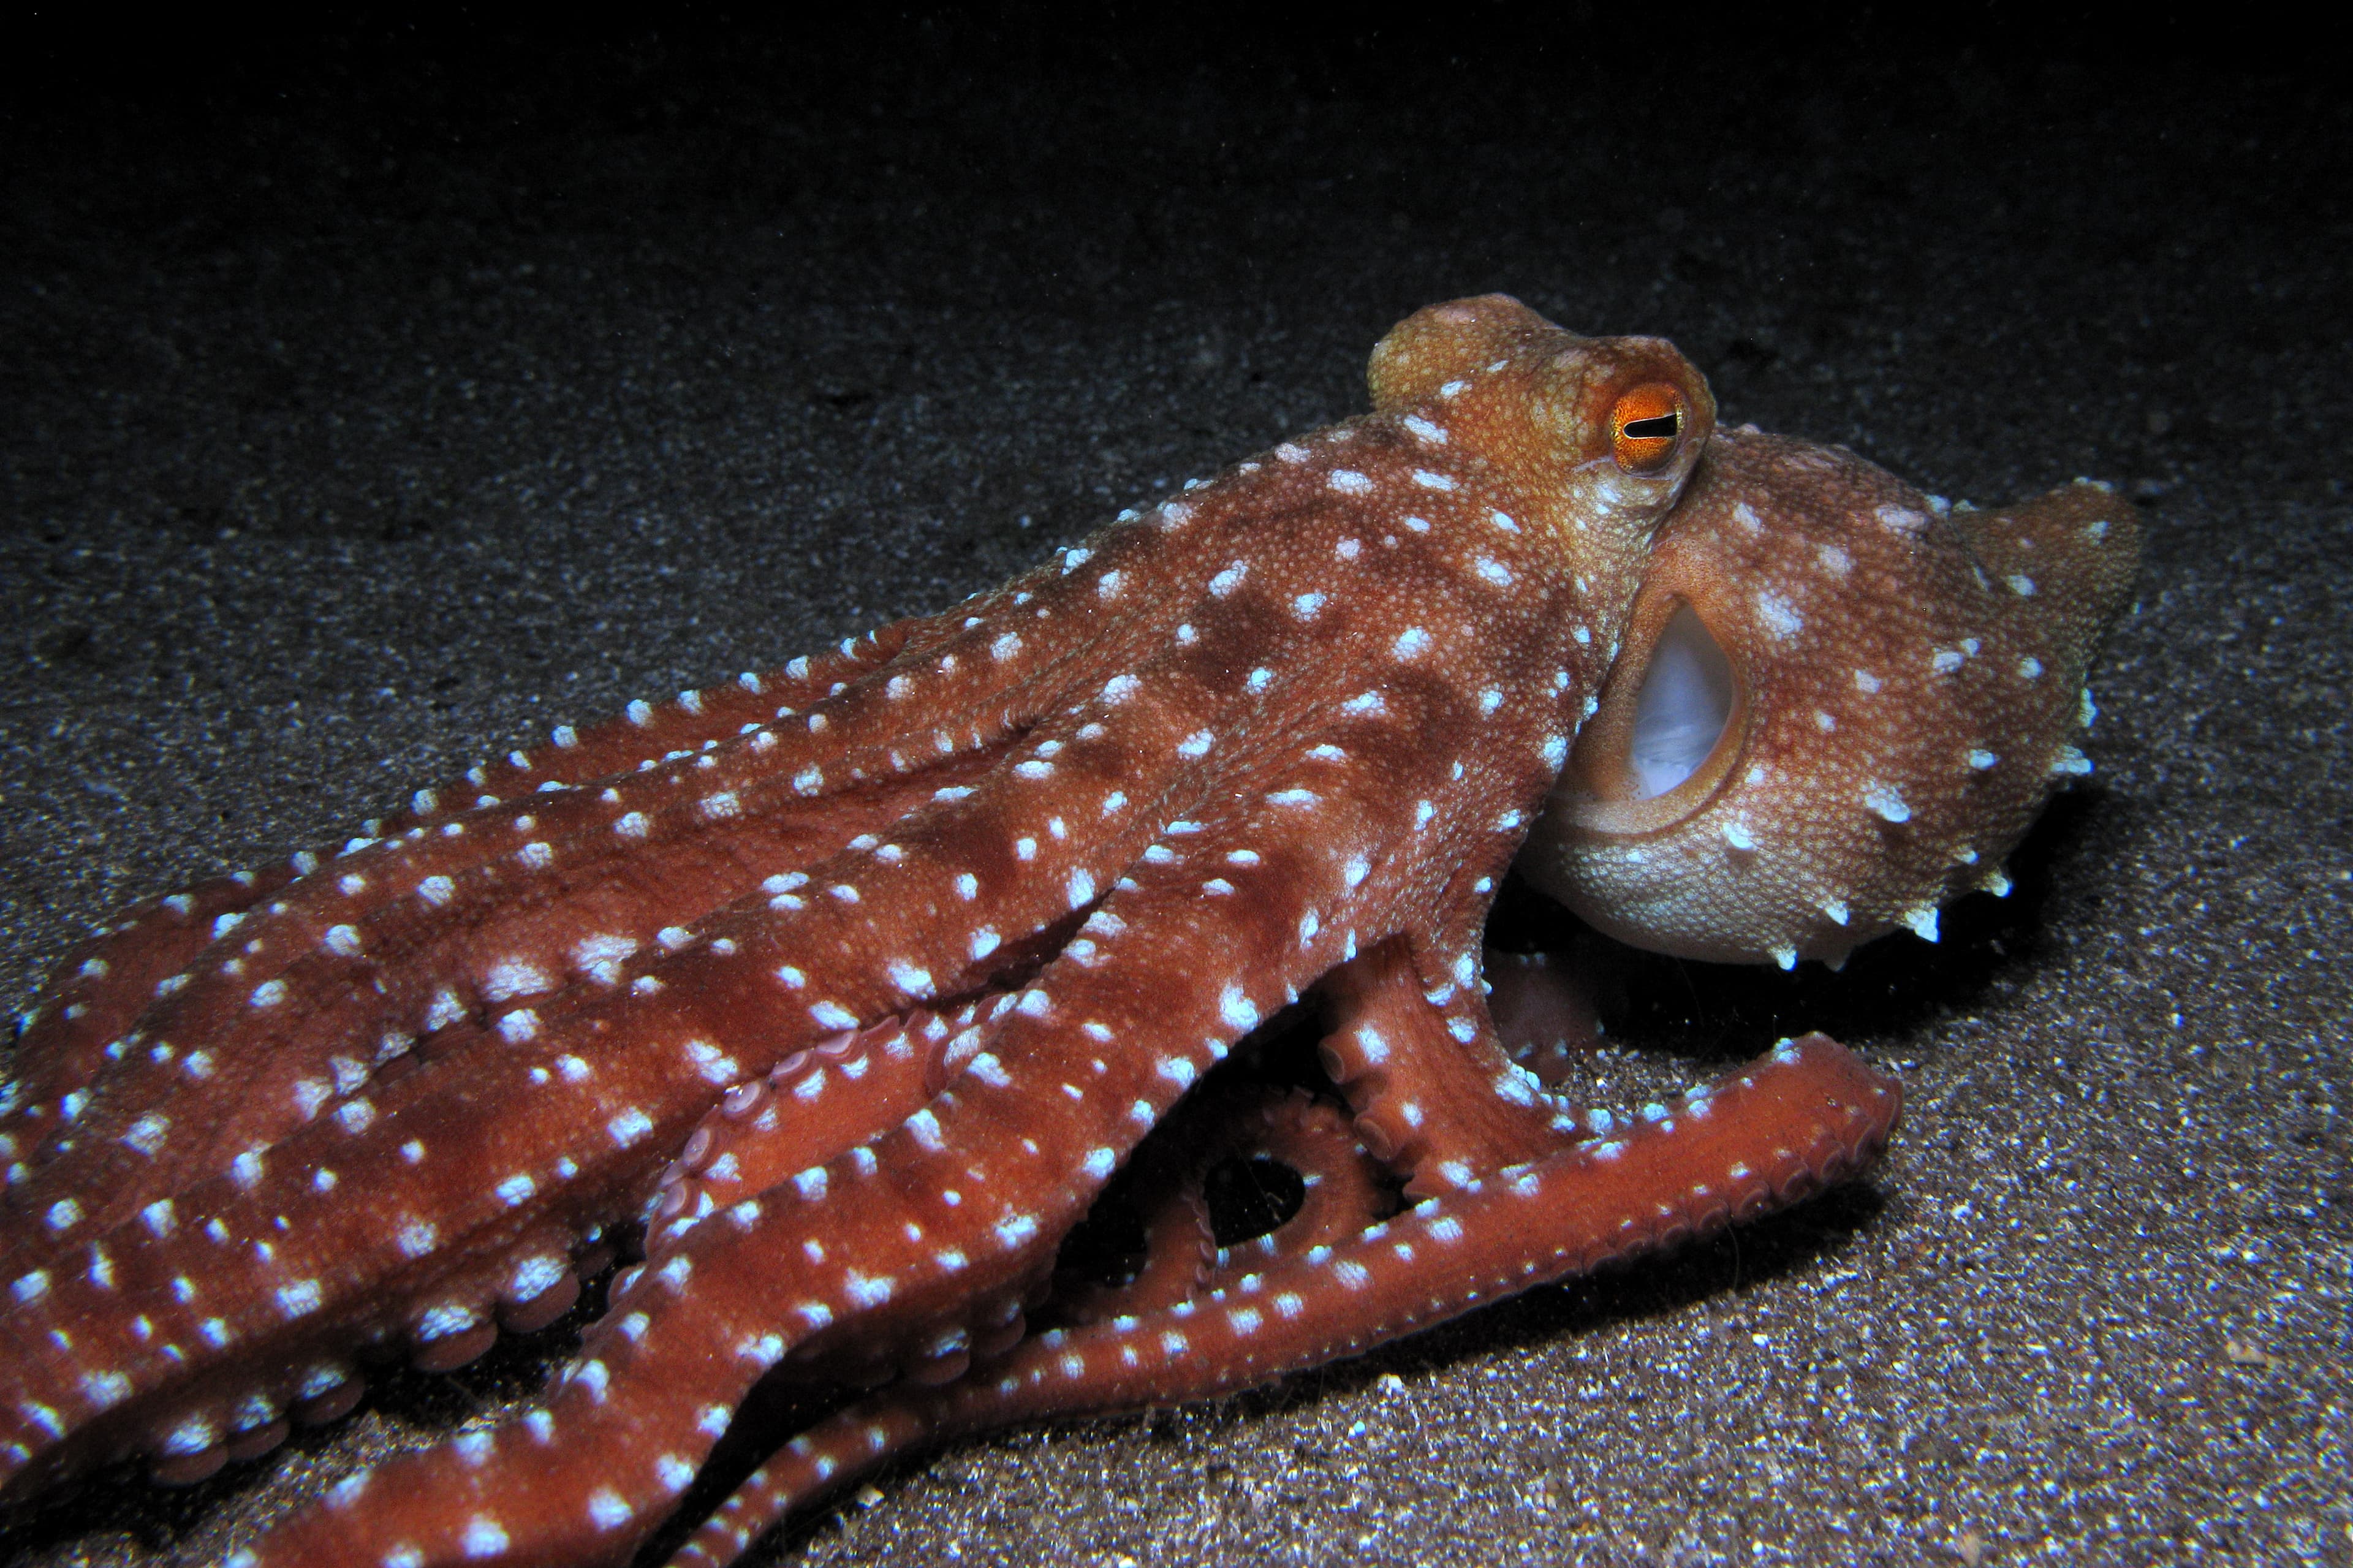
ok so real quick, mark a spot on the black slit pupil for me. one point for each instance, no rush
(1662, 426)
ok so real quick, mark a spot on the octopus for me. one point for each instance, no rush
(832, 1002)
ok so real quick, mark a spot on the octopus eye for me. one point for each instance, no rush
(1646, 425)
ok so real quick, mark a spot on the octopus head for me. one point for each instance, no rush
(1600, 434)
(1837, 705)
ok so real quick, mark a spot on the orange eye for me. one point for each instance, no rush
(1645, 426)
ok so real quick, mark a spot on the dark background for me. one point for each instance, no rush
(376, 397)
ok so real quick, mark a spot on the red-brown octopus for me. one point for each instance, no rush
(857, 982)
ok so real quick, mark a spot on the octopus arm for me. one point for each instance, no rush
(1808, 1115)
(1342, 1190)
(1056, 1099)
(519, 903)
(1544, 1011)
(98, 992)
(820, 1101)
(103, 985)
(1435, 1097)
(601, 1120)
(533, 912)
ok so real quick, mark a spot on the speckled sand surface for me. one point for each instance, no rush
(372, 407)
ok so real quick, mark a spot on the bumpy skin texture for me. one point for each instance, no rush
(864, 982)
(1906, 682)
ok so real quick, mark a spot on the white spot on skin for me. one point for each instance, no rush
(1410, 643)
(1432, 481)
(1779, 616)
(1227, 581)
(483, 1537)
(514, 977)
(1348, 481)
